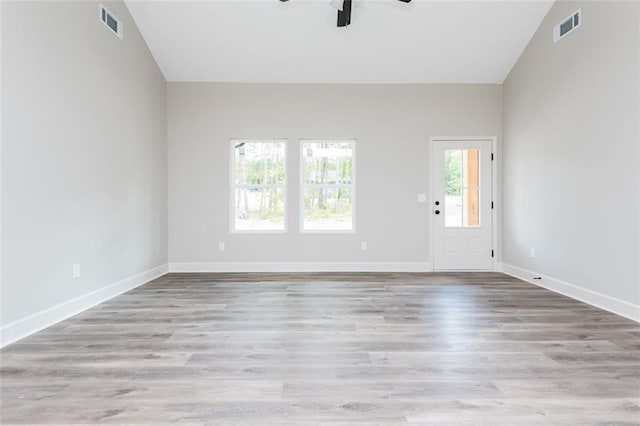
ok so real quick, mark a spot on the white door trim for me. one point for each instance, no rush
(494, 192)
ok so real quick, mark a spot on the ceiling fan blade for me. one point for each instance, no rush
(344, 15)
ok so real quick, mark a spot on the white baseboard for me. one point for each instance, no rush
(31, 324)
(594, 298)
(302, 267)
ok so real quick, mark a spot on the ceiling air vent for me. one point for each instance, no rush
(567, 25)
(111, 21)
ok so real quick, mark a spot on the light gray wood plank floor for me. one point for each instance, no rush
(329, 349)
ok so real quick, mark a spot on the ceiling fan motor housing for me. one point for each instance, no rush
(344, 10)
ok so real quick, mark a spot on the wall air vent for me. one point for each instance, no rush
(111, 21)
(567, 25)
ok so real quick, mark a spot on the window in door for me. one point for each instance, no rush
(462, 188)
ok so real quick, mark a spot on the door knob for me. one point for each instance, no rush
(437, 212)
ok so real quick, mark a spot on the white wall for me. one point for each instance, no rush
(84, 161)
(392, 125)
(571, 156)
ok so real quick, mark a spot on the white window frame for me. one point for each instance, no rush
(233, 186)
(351, 186)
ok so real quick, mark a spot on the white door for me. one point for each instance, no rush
(462, 204)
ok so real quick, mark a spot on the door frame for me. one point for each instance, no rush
(495, 195)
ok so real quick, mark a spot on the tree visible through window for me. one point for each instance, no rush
(258, 187)
(327, 185)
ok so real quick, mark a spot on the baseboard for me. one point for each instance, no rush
(594, 298)
(302, 267)
(24, 327)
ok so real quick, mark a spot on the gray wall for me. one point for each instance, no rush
(571, 152)
(84, 161)
(392, 125)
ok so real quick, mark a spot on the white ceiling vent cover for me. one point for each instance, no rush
(567, 25)
(110, 21)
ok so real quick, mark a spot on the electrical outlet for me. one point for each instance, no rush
(364, 245)
(221, 247)
(532, 252)
(76, 271)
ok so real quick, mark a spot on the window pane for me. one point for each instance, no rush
(327, 162)
(470, 215)
(258, 182)
(470, 187)
(328, 209)
(453, 209)
(327, 191)
(462, 194)
(259, 209)
(259, 163)
(453, 171)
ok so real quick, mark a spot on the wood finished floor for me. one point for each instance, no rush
(329, 349)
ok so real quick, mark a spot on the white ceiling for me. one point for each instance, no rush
(425, 41)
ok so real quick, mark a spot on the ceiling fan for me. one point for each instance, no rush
(344, 10)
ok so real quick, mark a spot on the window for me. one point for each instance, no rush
(258, 175)
(462, 188)
(327, 190)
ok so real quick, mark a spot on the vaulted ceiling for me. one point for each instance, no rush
(388, 41)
